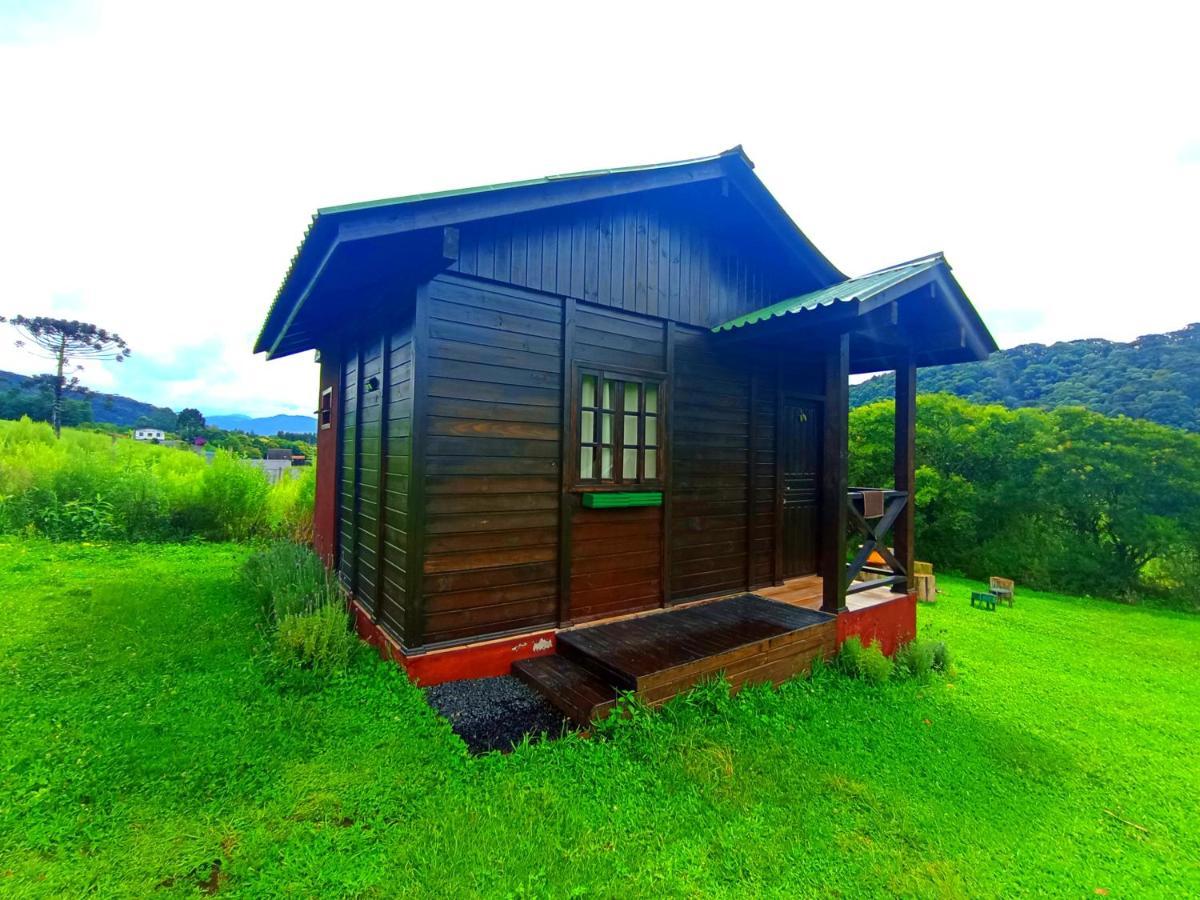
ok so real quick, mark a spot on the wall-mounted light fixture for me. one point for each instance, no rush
(371, 385)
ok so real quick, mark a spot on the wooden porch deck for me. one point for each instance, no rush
(748, 637)
(806, 591)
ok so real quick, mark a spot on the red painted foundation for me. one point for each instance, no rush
(891, 623)
(481, 660)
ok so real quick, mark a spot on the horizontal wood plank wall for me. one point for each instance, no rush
(710, 460)
(491, 453)
(616, 562)
(370, 411)
(616, 554)
(348, 427)
(397, 413)
(650, 254)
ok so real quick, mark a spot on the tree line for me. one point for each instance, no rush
(1156, 377)
(1067, 499)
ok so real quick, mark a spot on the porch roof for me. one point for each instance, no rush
(948, 308)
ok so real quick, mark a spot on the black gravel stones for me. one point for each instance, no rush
(495, 713)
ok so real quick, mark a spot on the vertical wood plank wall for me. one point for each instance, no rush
(347, 519)
(325, 512)
(397, 460)
(494, 374)
(375, 455)
(370, 419)
(650, 254)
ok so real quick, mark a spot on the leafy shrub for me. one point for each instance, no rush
(94, 486)
(1064, 500)
(915, 659)
(286, 579)
(303, 607)
(290, 506)
(319, 640)
(233, 498)
(849, 655)
(942, 660)
(867, 663)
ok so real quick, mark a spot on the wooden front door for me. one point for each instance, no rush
(801, 459)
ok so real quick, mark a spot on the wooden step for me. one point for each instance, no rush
(676, 647)
(576, 691)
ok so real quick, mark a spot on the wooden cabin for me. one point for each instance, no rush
(591, 397)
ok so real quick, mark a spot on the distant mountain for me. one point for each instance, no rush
(267, 425)
(105, 407)
(1155, 377)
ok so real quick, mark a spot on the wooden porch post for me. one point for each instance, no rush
(835, 453)
(905, 466)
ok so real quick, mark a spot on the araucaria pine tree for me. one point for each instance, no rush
(67, 343)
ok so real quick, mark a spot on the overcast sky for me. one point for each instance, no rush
(160, 161)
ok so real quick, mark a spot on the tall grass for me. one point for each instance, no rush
(104, 487)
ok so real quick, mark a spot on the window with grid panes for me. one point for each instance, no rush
(619, 434)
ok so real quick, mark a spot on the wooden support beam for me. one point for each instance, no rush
(905, 466)
(567, 462)
(381, 467)
(450, 241)
(835, 455)
(414, 594)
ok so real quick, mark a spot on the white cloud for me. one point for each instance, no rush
(161, 161)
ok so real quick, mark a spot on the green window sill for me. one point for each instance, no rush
(622, 499)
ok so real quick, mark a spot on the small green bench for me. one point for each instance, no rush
(984, 600)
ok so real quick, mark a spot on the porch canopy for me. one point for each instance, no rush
(900, 318)
(914, 313)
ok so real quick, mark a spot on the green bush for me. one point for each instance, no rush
(867, 663)
(286, 579)
(942, 660)
(319, 640)
(302, 605)
(848, 656)
(915, 659)
(1064, 500)
(94, 486)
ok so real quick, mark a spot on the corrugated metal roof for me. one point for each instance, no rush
(328, 211)
(530, 182)
(863, 288)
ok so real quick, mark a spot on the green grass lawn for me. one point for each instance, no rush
(144, 738)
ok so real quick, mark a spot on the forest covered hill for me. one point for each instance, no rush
(1156, 377)
(25, 395)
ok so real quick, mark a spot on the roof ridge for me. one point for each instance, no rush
(936, 256)
(528, 182)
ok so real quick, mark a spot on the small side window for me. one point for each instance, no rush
(325, 413)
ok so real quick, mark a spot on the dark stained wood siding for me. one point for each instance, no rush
(761, 503)
(459, 515)
(397, 464)
(375, 429)
(493, 408)
(616, 554)
(656, 254)
(347, 503)
(370, 420)
(709, 468)
(616, 562)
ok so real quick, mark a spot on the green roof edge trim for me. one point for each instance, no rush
(530, 182)
(852, 289)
